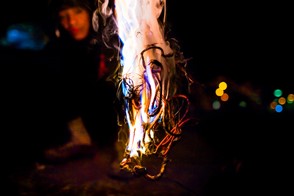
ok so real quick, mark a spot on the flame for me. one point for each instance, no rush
(142, 73)
(153, 111)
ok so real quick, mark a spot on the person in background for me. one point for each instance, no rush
(77, 89)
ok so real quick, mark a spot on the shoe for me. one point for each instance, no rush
(68, 152)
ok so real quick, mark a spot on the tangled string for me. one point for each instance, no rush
(166, 112)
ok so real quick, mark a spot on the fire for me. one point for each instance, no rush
(152, 71)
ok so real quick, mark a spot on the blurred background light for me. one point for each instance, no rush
(279, 108)
(278, 92)
(216, 105)
(25, 37)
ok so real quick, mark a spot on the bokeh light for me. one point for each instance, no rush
(279, 108)
(278, 93)
(219, 92)
(223, 85)
(216, 105)
(225, 97)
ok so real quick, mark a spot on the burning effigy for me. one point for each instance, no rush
(151, 79)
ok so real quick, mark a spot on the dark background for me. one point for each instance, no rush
(242, 42)
(245, 40)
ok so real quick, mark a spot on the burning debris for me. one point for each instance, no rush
(151, 79)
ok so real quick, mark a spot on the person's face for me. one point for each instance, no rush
(76, 21)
